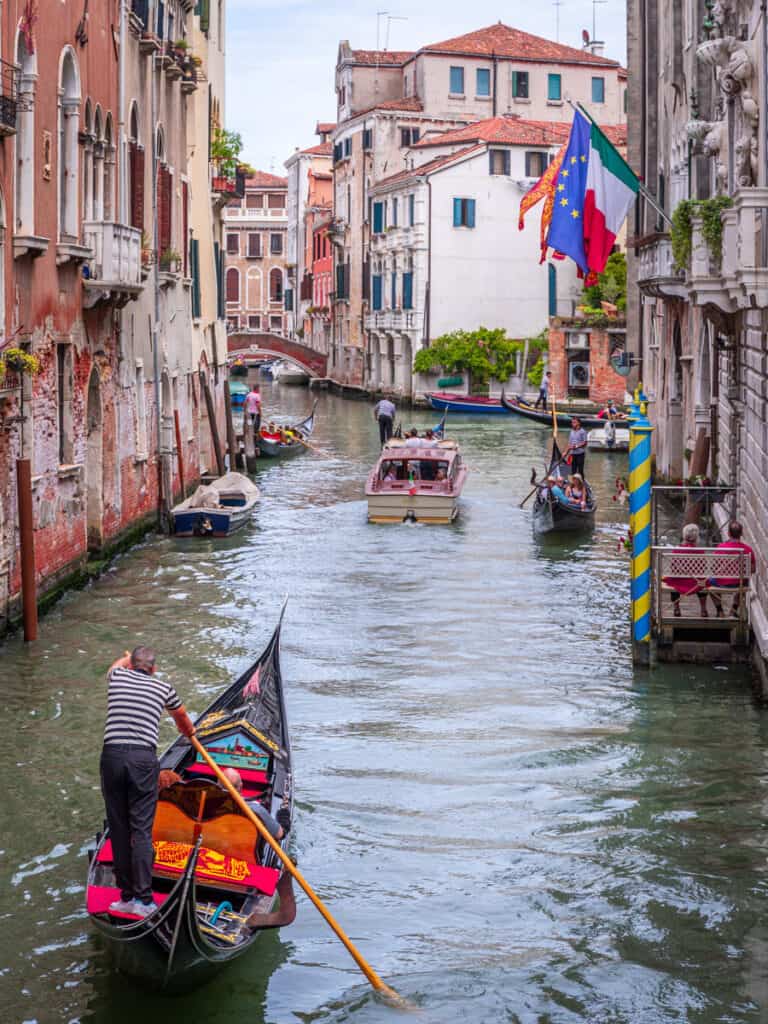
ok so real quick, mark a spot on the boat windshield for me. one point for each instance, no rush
(394, 470)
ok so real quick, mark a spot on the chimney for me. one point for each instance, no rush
(595, 47)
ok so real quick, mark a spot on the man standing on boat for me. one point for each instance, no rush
(253, 408)
(546, 380)
(577, 446)
(129, 771)
(384, 412)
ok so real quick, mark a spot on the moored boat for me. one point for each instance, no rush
(608, 438)
(278, 447)
(419, 483)
(520, 407)
(216, 509)
(215, 882)
(285, 372)
(551, 513)
(238, 389)
(464, 403)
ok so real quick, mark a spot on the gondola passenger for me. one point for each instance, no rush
(576, 491)
(276, 828)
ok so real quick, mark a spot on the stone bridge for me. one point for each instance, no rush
(252, 345)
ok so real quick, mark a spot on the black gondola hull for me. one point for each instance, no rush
(522, 408)
(553, 516)
(276, 450)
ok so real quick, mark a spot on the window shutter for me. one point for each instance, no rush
(378, 218)
(185, 226)
(507, 162)
(514, 84)
(204, 8)
(470, 213)
(393, 292)
(408, 290)
(367, 138)
(528, 164)
(457, 213)
(377, 291)
(194, 259)
(136, 154)
(552, 290)
(164, 198)
(412, 209)
(233, 285)
(289, 299)
(218, 257)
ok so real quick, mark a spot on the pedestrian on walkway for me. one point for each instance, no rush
(253, 408)
(384, 412)
(543, 398)
(130, 770)
(577, 446)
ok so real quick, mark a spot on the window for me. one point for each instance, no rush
(377, 290)
(499, 161)
(254, 323)
(535, 164)
(233, 285)
(141, 413)
(463, 213)
(233, 244)
(253, 202)
(552, 289)
(554, 88)
(275, 285)
(276, 202)
(254, 246)
(394, 211)
(337, 152)
(289, 299)
(411, 209)
(25, 140)
(520, 85)
(483, 82)
(598, 90)
(276, 244)
(408, 290)
(378, 218)
(194, 265)
(348, 146)
(626, 100)
(457, 81)
(69, 148)
(65, 386)
(409, 136)
(276, 324)
(136, 171)
(367, 138)
(393, 291)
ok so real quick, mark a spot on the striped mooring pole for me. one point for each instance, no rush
(640, 431)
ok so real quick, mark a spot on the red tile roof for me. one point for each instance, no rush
(324, 127)
(502, 41)
(514, 131)
(427, 168)
(408, 104)
(390, 57)
(321, 149)
(263, 180)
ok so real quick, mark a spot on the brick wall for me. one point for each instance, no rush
(604, 382)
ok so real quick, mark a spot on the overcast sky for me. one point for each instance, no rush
(281, 54)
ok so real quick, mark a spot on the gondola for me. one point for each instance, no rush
(474, 404)
(551, 515)
(215, 883)
(280, 449)
(519, 406)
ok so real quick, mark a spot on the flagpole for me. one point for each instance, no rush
(641, 187)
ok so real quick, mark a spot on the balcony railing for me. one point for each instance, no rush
(693, 586)
(8, 98)
(114, 273)
(657, 274)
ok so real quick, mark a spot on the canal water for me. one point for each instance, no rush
(512, 824)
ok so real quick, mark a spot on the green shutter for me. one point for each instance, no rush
(470, 213)
(204, 10)
(194, 262)
(457, 213)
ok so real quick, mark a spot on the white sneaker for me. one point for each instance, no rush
(142, 909)
(121, 907)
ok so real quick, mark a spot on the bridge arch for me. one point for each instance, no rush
(254, 345)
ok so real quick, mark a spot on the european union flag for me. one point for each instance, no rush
(566, 232)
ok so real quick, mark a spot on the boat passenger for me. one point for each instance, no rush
(270, 432)
(440, 475)
(557, 491)
(276, 829)
(680, 585)
(577, 494)
(391, 474)
(129, 771)
(413, 441)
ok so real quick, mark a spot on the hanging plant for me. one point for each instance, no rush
(681, 233)
(19, 361)
(712, 224)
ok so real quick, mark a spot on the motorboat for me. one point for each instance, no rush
(216, 509)
(421, 483)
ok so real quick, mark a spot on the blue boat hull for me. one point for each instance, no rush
(474, 408)
(202, 522)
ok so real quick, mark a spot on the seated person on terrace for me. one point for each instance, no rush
(736, 545)
(276, 829)
(684, 585)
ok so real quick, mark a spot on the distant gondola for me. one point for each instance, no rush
(473, 404)
(519, 406)
(280, 449)
(550, 514)
(215, 882)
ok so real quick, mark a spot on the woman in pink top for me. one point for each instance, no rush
(734, 544)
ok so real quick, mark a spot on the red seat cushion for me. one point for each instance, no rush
(172, 856)
(253, 781)
(100, 896)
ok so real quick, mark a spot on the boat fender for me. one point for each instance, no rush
(226, 905)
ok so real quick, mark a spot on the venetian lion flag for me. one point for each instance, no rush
(543, 189)
(594, 192)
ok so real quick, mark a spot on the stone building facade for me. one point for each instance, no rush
(698, 324)
(257, 292)
(94, 137)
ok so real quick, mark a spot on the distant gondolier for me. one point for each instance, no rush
(253, 407)
(384, 412)
(129, 771)
(543, 398)
(577, 446)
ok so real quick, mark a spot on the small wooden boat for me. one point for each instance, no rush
(520, 407)
(275, 449)
(608, 438)
(215, 882)
(465, 403)
(285, 372)
(216, 509)
(428, 481)
(551, 514)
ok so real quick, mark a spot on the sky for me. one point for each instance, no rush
(281, 54)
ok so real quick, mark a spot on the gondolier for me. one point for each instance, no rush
(384, 412)
(253, 407)
(546, 380)
(577, 446)
(129, 771)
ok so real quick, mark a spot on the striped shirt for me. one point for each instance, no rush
(134, 705)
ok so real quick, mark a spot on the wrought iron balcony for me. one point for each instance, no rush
(114, 273)
(8, 98)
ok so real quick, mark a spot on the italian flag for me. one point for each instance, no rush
(611, 190)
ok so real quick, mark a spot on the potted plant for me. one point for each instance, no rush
(225, 152)
(18, 361)
(169, 260)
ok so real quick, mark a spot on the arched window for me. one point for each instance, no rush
(98, 166)
(275, 285)
(676, 382)
(25, 140)
(68, 155)
(88, 140)
(136, 170)
(233, 285)
(109, 169)
(164, 195)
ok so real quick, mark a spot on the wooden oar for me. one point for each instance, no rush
(313, 448)
(367, 970)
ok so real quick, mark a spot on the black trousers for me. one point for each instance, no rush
(385, 428)
(542, 399)
(129, 786)
(577, 463)
(256, 421)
